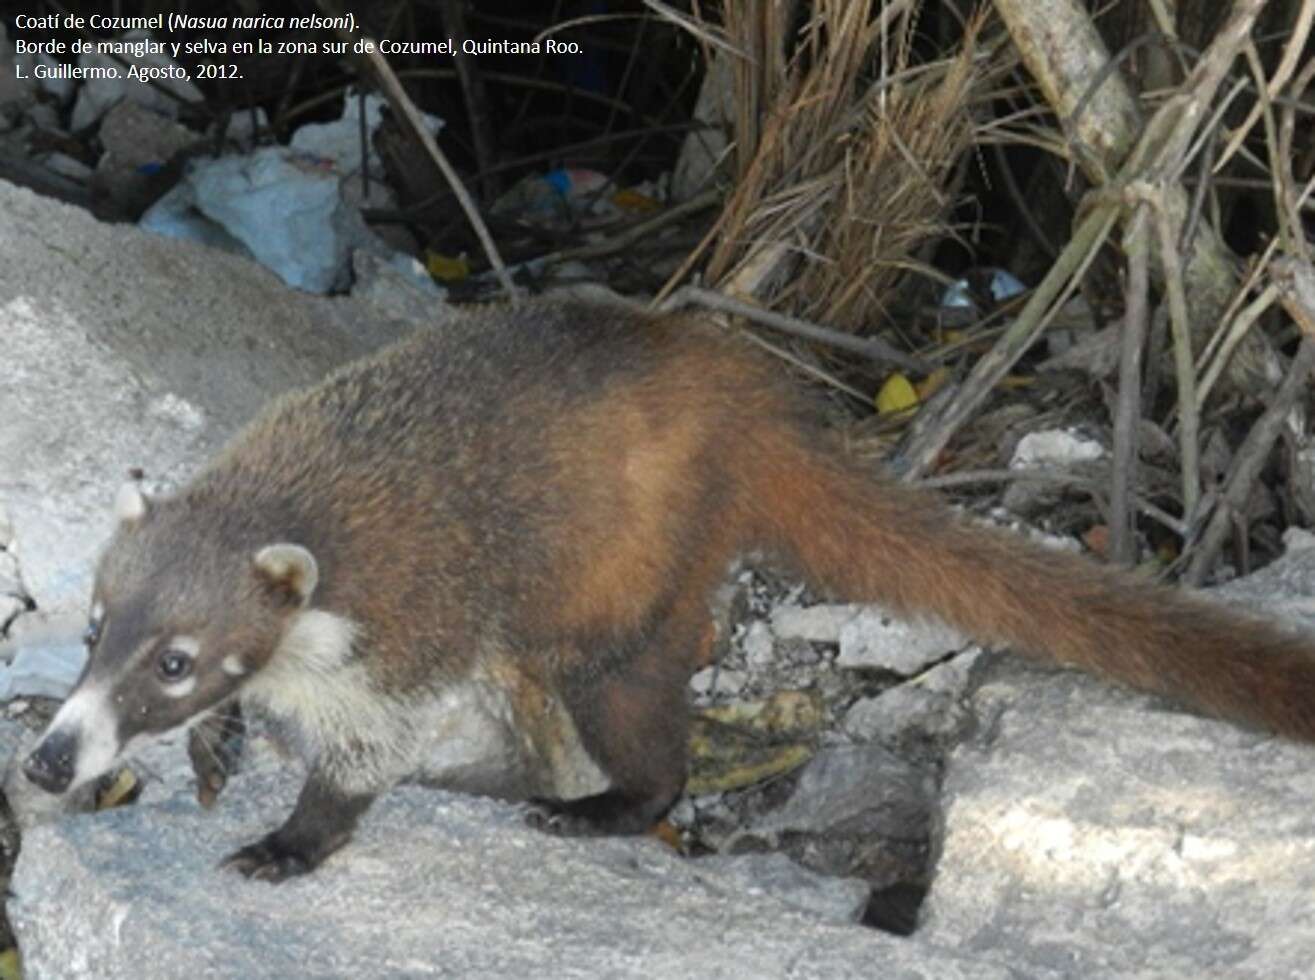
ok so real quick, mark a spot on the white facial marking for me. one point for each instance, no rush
(233, 666)
(180, 689)
(189, 645)
(89, 714)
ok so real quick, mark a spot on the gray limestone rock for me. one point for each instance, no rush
(874, 639)
(858, 811)
(435, 885)
(829, 898)
(864, 787)
(929, 707)
(820, 623)
(1094, 832)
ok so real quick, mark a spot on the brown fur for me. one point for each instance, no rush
(546, 498)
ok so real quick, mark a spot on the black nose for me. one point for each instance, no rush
(50, 765)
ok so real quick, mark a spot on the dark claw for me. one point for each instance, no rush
(214, 746)
(268, 860)
(557, 818)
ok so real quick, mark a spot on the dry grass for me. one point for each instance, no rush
(845, 154)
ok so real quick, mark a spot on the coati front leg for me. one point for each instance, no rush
(633, 720)
(322, 821)
(214, 744)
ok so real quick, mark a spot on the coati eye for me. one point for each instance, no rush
(174, 664)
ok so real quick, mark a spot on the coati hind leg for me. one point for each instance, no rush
(634, 723)
(630, 709)
(322, 821)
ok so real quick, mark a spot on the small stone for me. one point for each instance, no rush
(716, 680)
(67, 166)
(909, 710)
(683, 813)
(874, 640)
(857, 787)
(800, 653)
(759, 645)
(820, 623)
(1054, 448)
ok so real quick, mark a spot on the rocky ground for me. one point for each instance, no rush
(845, 765)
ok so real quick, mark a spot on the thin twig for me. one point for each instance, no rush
(966, 478)
(1290, 210)
(1196, 209)
(1295, 280)
(811, 370)
(635, 232)
(564, 152)
(1035, 316)
(1247, 464)
(472, 88)
(405, 108)
(873, 348)
(1287, 64)
(1185, 371)
(1239, 326)
(1127, 413)
(1021, 203)
(1280, 185)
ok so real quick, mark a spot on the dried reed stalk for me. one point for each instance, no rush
(844, 148)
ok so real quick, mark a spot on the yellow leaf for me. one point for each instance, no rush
(446, 267)
(124, 789)
(10, 966)
(739, 745)
(896, 395)
(931, 384)
(951, 336)
(632, 200)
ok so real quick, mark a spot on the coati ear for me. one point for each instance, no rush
(130, 504)
(288, 569)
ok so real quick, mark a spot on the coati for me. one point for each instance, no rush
(526, 511)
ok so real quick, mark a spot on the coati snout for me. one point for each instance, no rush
(525, 513)
(52, 763)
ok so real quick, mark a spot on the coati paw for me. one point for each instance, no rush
(604, 814)
(269, 860)
(209, 784)
(555, 817)
(214, 746)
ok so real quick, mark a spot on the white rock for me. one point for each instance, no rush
(874, 640)
(820, 623)
(1054, 447)
(759, 645)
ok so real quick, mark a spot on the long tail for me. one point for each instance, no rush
(866, 540)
